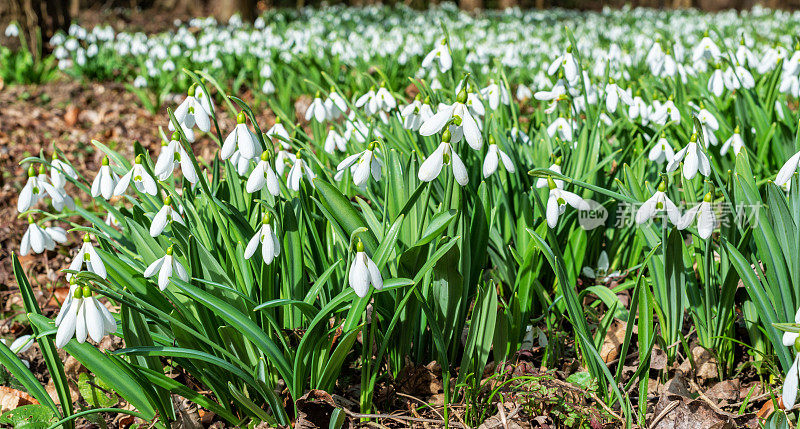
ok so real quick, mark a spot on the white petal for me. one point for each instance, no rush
(359, 275)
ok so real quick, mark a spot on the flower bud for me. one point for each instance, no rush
(87, 292)
(359, 246)
(240, 117)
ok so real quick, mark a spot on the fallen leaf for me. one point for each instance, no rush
(12, 398)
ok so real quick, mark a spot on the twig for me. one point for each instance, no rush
(591, 395)
(421, 402)
(400, 418)
(711, 403)
(663, 413)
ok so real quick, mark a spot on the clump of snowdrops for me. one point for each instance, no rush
(448, 224)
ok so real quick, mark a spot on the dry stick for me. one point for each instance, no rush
(663, 413)
(711, 403)
(591, 395)
(756, 398)
(400, 418)
(421, 402)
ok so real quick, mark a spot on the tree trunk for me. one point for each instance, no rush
(471, 5)
(38, 20)
(225, 9)
(507, 4)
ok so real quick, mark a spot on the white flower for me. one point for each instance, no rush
(21, 345)
(299, 168)
(105, 181)
(38, 239)
(563, 128)
(441, 54)
(364, 272)
(490, 163)
(557, 203)
(173, 154)
(738, 77)
(601, 272)
(415, 114)
(613, 95)
(368, 102)
(241, 163)
(444, 154)
(695, 161)
(666, 112)
(83, 316)
(204, 99)
(89, 256)
(141, 179)
(241, 138)
(335, 105)
(361, 165)
(706, 220)
(495, 94)
(716, 83)
(165, 267)
(523, 93)
(270, 245)
(35, 189)
(164, 215)
(59, 171)
(191, 112)
(735, 141)
(462, 121)
(706, 49)
(262, 175)
(316, 109)
(278, 132)
(658, 203)
(567, 63)
(12, 30)
(661, 151)
(385, 100)
(709, 124)
(788, 169)
(556, 168)
(334, 141)
(789, 394)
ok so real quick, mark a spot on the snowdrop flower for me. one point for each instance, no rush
(444, 154)
(299, 168)
(657, 204)
(601, 272)
(270, 245)
(666, 112)
(38, 239)
(105, 181)
(83, 316)
(361, 165)
(241, 138)
(523, 93)
(241, 163)
(21, 345)
(704, 212)
(495, 94)
(89, 256)
(262, 175)
(738, 77)
(172, 155)
(695, 161)
(278, 132)
(661, 151)
(59, 171)
(557, 203)
(789, 394)
(490, 163)
(440, 54)
(368, 102)
(461, 117)
(12, 30)
(204, 99)
(716, 83)
(165, 267)
(639, 109)
(788, 169)
(415, 114)
(706, 49)
(556, 168)
(335, 105)
(364, 272)
(384, 99)
(35, 189)
(316, 109)
(191, 112)
(165, 215)
(709, 124)
(334, 141)
(567, 63)
(519, 136)
(141, 179)
(613, 94)
(735, 141)
(563, 128)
